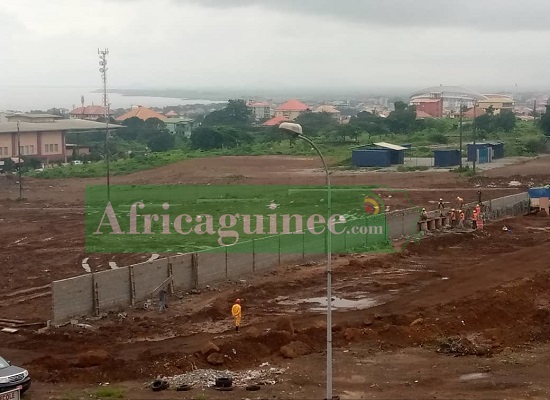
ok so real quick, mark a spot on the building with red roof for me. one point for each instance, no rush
(275, 121)
(261, 110)
(92, 113)
(142, 113)
(291, 109)
(431, 106)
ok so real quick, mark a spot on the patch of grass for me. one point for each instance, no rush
(109, 393)
(402, 168)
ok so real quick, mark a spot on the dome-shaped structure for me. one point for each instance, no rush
(448, 93)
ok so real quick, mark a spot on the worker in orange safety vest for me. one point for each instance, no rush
(461, 218)
(236, 312)
(453, 218)
(475, 215)
(459, 203)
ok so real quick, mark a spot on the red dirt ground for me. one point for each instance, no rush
(481, 295)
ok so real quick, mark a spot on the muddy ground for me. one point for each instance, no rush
(452, 305)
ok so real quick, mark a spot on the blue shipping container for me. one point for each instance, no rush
(484, 155)
(498, 150)
(371, 158)
(446, 158)
(472, 150)
(397, 156)
(537, 193)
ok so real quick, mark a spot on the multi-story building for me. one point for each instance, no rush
(291, 109)
(261, 110)
(91, 113)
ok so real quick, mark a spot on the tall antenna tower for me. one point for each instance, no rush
(103, 70)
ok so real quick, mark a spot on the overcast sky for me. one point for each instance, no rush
(277, 43)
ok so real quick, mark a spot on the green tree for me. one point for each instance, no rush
(545, 121)
(315, 123)
(347, 131)
(402, 119)
(161, 141)
(208, 138)
(368, 122)
(506, 120)
(236, 113)
(486, 123)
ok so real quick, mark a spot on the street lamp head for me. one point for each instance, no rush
(294, 129)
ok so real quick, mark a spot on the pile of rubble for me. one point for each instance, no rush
(202, 378)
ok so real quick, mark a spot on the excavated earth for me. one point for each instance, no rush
(455, 315)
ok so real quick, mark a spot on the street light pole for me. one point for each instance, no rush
(19, 162)
(296, 130)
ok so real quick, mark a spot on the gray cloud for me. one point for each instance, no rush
(479, 14)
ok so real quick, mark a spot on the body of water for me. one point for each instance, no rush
(44, 98)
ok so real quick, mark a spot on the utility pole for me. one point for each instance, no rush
(103, 70)
(475, 128)
(19, 162)
(460, 114)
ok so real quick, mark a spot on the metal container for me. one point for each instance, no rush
(371, 158)
(446, 158)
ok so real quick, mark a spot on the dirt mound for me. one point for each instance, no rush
(215, 359)
(92, 358)
(295, 349)
(285, 324)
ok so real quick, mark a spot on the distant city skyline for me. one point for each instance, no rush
(294, 46)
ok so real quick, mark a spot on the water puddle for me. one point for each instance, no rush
(319, 304)
(473, 377)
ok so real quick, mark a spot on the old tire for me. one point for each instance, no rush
(224, 389)
(253, 388)
(224, 382)
(183, 388)
(159, 385)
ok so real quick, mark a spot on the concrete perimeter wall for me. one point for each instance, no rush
(108, 290)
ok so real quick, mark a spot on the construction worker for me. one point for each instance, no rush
(452, 216)
(440, 207)
(162, 301)
(424, 215)
(478, 209)
(459, 203)
(236, 311)
(474, 218)
(461, 218)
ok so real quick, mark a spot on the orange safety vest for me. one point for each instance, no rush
(462, 216)
(474, 215)
(453, 216)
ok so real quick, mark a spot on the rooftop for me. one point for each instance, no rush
(390, 146)
(142, 113)
(90, 110)
(60, 125)
(327, 109)
(260, 104)
(177, 120)
(293, 105)
(37, 115)
(275, 121)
